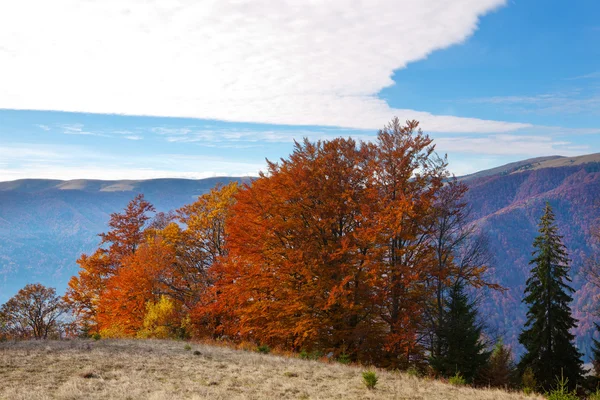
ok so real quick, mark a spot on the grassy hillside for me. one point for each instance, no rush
(150, 369)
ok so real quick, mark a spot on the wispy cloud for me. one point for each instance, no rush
(81, 129)
(571, 102)
(561, 131)
(284, 62)
(591, 75)
(517, 145)
(77, 129)
(223, 136)
(539, 140)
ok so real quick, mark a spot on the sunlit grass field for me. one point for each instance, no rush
(154, 369)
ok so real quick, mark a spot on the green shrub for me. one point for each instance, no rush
(457, 380)
(187, 347)
(96, 336)
(344, 359)
(264, 349)
(561, 391)
(313, 355)
(528, 381)
(595, 395)
(413, 371)
(370, 379)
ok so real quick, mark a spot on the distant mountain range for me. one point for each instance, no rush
(46, 224)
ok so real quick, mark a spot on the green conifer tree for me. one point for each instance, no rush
(546, 337)
(461, 348)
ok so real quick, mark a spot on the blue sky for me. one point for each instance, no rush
(196, 90)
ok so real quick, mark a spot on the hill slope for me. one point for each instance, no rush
(507, 205)
(45, 226)
(151, 369)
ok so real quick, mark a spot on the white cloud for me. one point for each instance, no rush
(282, 62)
(36, 161)
(525, 146)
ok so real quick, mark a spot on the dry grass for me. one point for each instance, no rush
(152, 369)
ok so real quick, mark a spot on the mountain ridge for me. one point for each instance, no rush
(115, 185)
(108, 185)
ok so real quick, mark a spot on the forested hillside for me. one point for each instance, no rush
(46, 225)
(507, 204)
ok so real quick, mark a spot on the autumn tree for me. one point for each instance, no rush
(549, 348)
(161, 320)
(343, 247)
(122, 240)
(121, 307)
(35, 311)
(295, 274)
(141, 259)
(331, 248)
(199, 243)
(407, 175)
(127, 230)
(85, 289)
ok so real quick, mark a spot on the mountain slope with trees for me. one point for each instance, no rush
(507, 206)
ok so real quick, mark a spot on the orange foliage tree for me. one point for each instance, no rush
(407, 175)
(121, 241)
(122, 306)
(333, 249)
(344, 247)
(296, 265)
(142, 259)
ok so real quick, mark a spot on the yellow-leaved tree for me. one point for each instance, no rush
(161, 320)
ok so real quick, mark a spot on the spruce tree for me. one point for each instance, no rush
(549, 347)
(461, 348)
